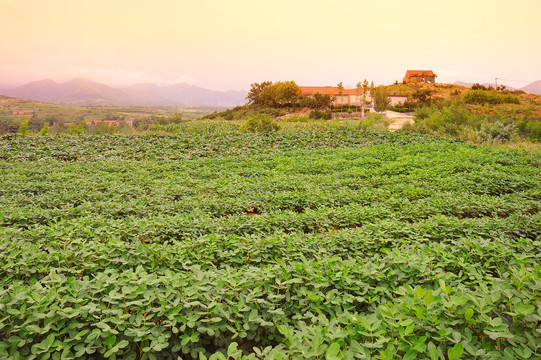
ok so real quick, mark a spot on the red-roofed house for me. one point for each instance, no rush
(348, 96)
(420, 76)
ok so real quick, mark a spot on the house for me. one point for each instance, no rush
(420, 76)
(348, 96)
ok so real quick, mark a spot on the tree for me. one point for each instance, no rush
(322, 101)
(45, 130)
(423, 96)
(363, 99)
(381, 100)
(317, 101)
(23, 129)
(8, 125)
(359, 89)
(286, 92)
(340, 92)
(274, 94)
(77, 129)
(255, 92)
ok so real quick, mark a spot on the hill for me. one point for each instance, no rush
(533, 88)
(184, 94)
(81, 91)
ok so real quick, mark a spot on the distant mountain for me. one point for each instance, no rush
(184, 94)
(85, 92)
(462, 83)
(533, 88)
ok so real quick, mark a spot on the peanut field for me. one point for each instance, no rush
(299, 244)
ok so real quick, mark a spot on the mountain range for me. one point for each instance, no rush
(533, 88)
(81, 91)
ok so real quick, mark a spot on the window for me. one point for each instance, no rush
(422, 79)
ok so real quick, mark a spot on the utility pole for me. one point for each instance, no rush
(496, 82)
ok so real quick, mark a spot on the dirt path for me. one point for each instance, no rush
(398, 120)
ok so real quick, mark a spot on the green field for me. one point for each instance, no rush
(306, 243)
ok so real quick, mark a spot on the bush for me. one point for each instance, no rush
(400, 109)
(324, 115)
(168, 120)
(481, 97)
(297, 119)
(495, 131)
(23, 129)
(260, 123)
(449, 120)
(374, 122)
(528, 129)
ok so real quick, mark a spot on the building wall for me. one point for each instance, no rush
(397, 100)
(350, 99)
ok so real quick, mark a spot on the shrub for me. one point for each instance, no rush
(260, 123)
(481, 97)
(297, 119)
(316, 114)
(374, 122)
(495, 131)
(23, 129)
(529, 129)
(45, 130)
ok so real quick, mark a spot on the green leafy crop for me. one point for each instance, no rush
(330, 244)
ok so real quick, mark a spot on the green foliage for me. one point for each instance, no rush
(374, 122)
(260, 123)
(336, 244)
(242, 112)
(457, 120)
(297, 118)
(44, 130)
(448, 120)
(8, 125)
(99, 128)
(316, 114)
(77, 129)
(168, 120)
(23, 129)
(529, 128)
(481, 97)
(381, 99)
(317, 101)
(254, 95)
(423, 97)
(269, 94)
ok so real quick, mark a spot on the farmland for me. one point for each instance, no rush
(306, 243)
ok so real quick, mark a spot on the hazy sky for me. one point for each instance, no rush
(229, 44)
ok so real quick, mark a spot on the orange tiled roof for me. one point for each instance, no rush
(414, 73)
(328, 90)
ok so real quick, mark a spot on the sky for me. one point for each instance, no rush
(227, 45)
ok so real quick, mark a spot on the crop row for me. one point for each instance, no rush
(411, 183)
(282, 246)
(199, 142)
(139, 307)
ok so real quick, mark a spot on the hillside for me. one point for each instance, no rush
(85, 92)
(188, 94)
(15, 111)
(533, 88)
